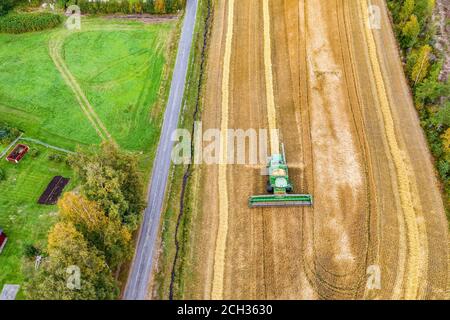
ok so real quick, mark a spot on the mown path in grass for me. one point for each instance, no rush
(126, 86)
(55, 44)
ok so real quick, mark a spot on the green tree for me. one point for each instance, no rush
(8, 5)
(429, 91)
(112, 179)
(406, 10)
(424, 9)
(67, 248)
(160, 6)
(107, 234)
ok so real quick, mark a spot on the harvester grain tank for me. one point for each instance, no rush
(279, 187)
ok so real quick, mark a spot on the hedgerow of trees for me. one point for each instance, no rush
(27, 22)
(127, 6)
(15, 22)
(416, 32)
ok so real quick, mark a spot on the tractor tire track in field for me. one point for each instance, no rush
(352, 81)
(351, 283)
(346, 284)
(55, 47)
(326, 283)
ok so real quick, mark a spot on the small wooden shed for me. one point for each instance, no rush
(17, 154)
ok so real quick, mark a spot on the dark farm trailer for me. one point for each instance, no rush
(17, 154)
(3, 240)
(53, 191)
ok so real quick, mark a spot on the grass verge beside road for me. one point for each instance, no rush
(171, 270)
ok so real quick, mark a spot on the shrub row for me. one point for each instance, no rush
(6, 6)
(26, 22)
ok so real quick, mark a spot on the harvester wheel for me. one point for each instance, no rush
(269, 188)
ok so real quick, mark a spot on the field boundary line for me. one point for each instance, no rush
(222, 231)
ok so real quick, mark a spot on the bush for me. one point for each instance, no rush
(26, 22)
(56, 157)
(31, 251)
(7, 5)
(34, 152)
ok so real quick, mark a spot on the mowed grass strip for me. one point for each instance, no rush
(22, 219)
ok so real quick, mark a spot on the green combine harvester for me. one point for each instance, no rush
(279, 187)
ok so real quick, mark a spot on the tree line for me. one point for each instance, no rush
(14, 21)
(104, 7)
(416, 33)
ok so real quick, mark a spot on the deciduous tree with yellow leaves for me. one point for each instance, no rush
(107, 234)
(72, 271)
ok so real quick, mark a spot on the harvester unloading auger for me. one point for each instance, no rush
(279, 187)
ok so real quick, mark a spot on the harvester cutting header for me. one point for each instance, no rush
(279, 187)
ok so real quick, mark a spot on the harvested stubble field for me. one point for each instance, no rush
(352, 139)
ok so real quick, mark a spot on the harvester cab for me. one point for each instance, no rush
(279, 187)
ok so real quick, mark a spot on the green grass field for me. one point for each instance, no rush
(123, 69)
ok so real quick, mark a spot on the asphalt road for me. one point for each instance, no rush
(141, 268)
